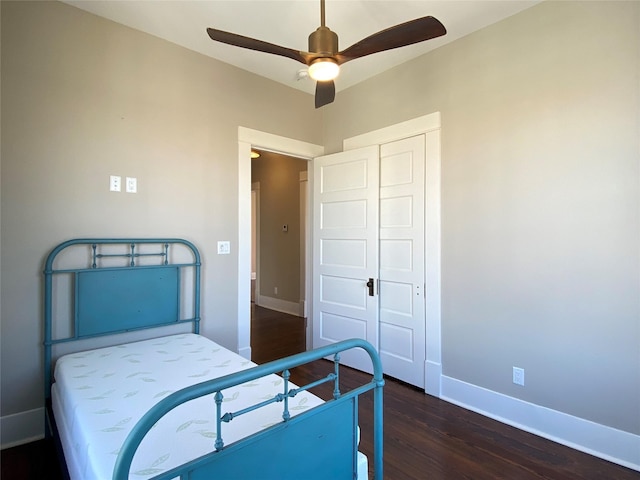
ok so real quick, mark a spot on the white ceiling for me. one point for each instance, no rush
(289, 22)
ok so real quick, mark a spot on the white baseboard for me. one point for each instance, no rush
(245, 353)
(432, 378)
(611, 444)
(21, 428)
(279, 305)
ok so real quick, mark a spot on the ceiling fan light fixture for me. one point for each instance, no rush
(324, 58)
(324, 69)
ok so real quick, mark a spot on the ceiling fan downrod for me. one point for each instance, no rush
(323, 45)
(323, 41)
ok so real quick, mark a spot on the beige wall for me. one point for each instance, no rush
(279, 178)
(540, 200)
(540, 182)
(84, 98)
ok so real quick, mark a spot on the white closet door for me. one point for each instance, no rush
(402, 249)
(345, 250)
(369, 207)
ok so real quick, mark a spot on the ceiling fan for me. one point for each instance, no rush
(324, 58)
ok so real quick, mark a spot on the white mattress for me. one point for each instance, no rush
(99, 395)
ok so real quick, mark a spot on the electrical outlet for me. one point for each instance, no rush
(518, 376)
(275, 290)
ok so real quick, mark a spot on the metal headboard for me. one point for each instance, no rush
(120, 285)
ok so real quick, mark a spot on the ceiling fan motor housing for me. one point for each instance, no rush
(324, 42)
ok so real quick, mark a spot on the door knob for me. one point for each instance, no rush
(370, 285)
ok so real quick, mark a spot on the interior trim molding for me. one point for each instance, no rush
(432, 377)
(605, 442)
(409, 128)
(278, 144)
(248, 138)
(279, 305)
(245, 353)
(22, 427)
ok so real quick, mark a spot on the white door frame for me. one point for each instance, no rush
(305, 254)
(248, 138)
(255, 235)
(428, 125)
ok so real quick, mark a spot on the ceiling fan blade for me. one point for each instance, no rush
(325, 93)
(258, 45)
(408, 33)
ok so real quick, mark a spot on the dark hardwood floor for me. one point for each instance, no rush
(275, 335)
(428, 438)
(425, 438)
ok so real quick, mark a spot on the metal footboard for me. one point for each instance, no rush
(318, 444)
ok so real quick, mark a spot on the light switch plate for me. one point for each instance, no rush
(224, 248)
(114, 183)
(131, 185)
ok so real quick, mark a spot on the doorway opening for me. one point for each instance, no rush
(278, 253)
(248, 139)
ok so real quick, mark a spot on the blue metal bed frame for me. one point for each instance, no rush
(117, 299)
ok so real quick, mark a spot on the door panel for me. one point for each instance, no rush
(344, 176)
(343, 292)
(343, 214)
(402, 304)
(396, 255)
(345, 255)
(337, 327)
(397, 299)
(397, 342)
(369, 206)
